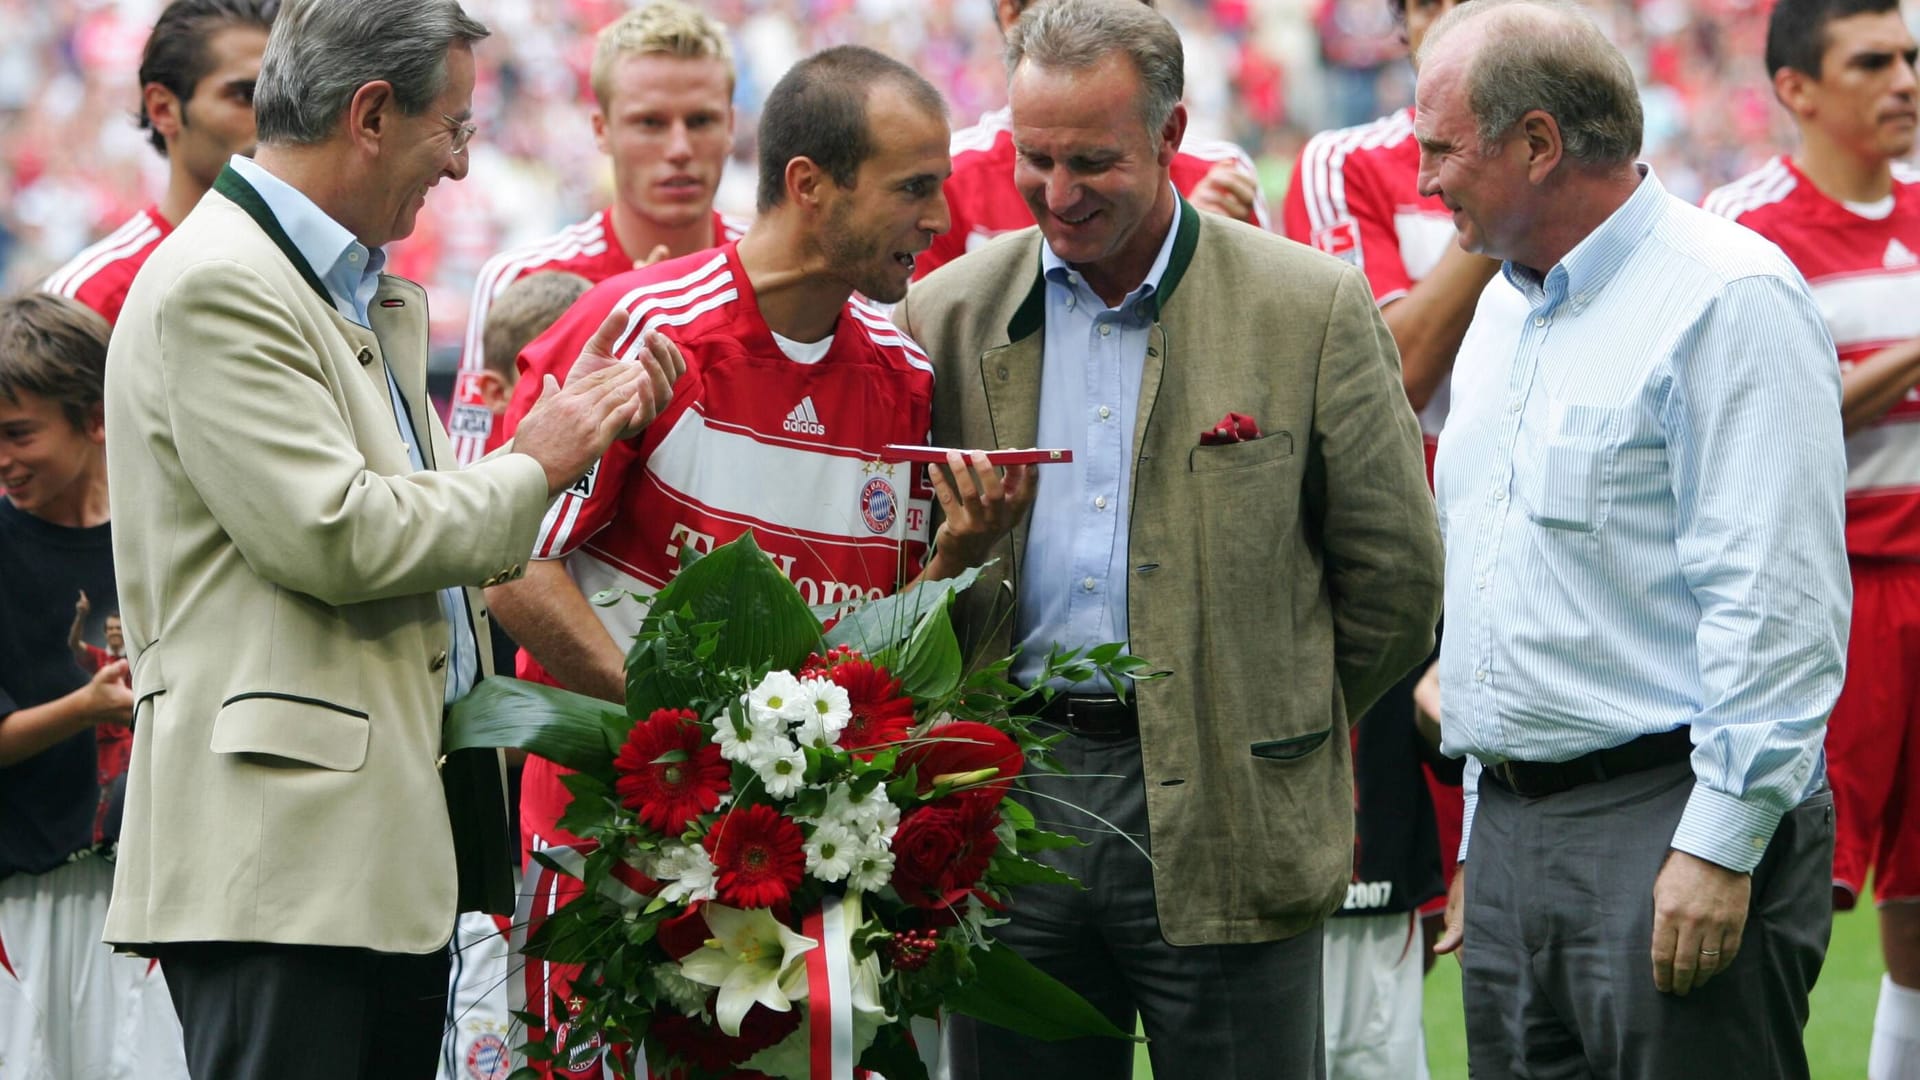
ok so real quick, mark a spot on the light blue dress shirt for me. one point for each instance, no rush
(1073, 581)
(351, 274)
(1641, 491)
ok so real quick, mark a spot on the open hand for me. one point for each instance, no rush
(1456, 917)
(1699, 914)
(980, 503)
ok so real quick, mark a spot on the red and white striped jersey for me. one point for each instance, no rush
(100, 276)
(984, 203)
(753, 440)
(1864, 271)
(589, 249)
(1356, 196)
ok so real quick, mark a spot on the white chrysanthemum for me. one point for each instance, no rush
(783, 773)
(686, 873)
(750, 740)
(779, 699)
(824, 712)
(872, 869)
(831, 851)
(687, 997)
(870, 815)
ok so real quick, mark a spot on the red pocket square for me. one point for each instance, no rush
(1232, 428)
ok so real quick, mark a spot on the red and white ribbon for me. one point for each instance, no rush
(830, 992)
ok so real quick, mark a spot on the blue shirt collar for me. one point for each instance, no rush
(1593, 261)
(344, 265)
(1058, 271)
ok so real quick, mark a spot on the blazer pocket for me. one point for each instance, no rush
(1240, 455)
(1292, 748)
(304, 730)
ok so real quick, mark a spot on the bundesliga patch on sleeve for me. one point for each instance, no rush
(470, 417)
(1340, 240)
(583, 487)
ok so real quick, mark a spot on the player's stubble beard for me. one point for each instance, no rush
(860, 260)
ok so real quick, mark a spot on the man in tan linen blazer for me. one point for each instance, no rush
(1283, 581)
(297, 578)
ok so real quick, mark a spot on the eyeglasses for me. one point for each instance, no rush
(462, 133)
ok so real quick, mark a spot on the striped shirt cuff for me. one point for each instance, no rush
(1470, 802)
(1723, 830)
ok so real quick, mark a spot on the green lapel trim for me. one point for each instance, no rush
(235, 187)
(1186, 238)
(1031, 315)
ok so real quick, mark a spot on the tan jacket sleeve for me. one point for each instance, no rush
(262, 438)
(1368, 485)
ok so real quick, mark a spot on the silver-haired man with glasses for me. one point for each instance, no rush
(301, 583)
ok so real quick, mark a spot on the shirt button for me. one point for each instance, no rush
(1069, 303)
(1480, 676)
(1099, 502)
(1514, 405)
(1539, 320)
(1089, 584)
(1499, 494)
(1106, 329)
(1105, 412)
(1480, 584)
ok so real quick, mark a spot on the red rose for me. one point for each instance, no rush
(941, 851)
(670, 772)
(760, 855)
(706, 1047)
(963, 747)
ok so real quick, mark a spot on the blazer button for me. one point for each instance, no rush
(1002, 373)
(439, 661)
(366, 356)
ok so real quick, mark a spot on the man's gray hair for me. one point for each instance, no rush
(1553, 58)
(1078, 34)
(321, 52)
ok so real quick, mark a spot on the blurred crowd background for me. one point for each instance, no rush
(1264, 73)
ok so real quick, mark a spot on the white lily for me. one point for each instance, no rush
(752, 957)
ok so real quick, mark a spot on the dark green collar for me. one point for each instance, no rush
(235, 187)
(1031, 315)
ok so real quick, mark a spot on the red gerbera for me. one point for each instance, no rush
(881, 713)
(760, 855)
(670, 773)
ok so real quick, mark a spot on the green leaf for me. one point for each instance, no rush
(1015, 870)
(893, 1056)
(1010, 992)
(758, 617)
(930, 664)
(1042, 840)
(892, 620)
(566, 728)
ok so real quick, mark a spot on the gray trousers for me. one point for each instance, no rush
(1557, 963)
(1218, 1012)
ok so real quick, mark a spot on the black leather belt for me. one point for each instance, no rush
(1533, 779)
(1101, 717)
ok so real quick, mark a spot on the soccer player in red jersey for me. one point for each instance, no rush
(1847, 212)
(196, 103)
(1355, 196)
(1215, 176)
(793, 384)
(663, 77)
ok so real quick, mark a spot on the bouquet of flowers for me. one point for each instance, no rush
(796, 841)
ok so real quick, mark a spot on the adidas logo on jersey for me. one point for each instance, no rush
(1898, 256)
(803, 420)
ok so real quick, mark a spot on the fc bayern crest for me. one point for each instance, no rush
(487, 1058)
(877, 504)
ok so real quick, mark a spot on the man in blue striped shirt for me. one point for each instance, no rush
(1640, 490)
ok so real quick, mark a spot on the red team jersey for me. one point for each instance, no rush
(1864, 272)
(99, 276)
(1356, 196)
(753, 440)
(589, 249)
(984, 203)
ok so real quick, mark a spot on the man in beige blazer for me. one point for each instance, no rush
(1247, 509)
(299, 582)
